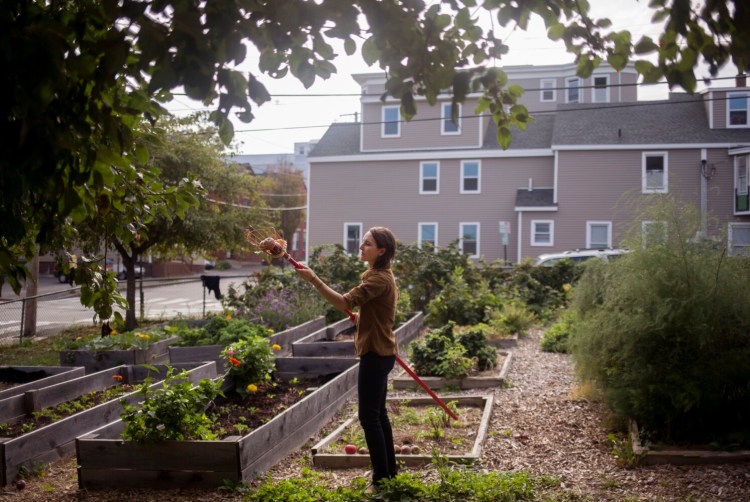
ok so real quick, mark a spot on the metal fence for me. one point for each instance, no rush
(62, 309)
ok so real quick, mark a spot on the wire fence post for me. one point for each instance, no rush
(204, 301)
(23, 318)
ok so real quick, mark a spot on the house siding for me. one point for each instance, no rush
(336, 196)
(423, 131)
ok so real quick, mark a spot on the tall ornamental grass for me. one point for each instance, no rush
(664, 333)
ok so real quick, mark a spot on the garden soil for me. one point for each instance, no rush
(542, 423)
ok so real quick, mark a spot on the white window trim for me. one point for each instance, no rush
(533, 225)
(345, 237)
(730, 235)
(567, 87)
(446, 116)
(419, 232)
(740, 189)
(646, 223)
(589, 224)
(421, 178)
(594, 89)
(665, 188)
(746, 95)
(461, 236)
(479, 177)
(544, 81)
(383, 121)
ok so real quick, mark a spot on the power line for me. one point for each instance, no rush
(243, 206)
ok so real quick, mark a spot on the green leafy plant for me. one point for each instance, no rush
(461, 302)
(250, 363)
(219, 330)
(441, 353)
(555, 338)
(172, 411)
(138, 339)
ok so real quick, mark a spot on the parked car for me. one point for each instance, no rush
(122, 273)
(579, 256)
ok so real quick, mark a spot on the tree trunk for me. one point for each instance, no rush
(29, 320)
(130, 318)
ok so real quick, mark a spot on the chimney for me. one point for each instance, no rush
(741, 80)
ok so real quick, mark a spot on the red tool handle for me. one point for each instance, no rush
(425, 387)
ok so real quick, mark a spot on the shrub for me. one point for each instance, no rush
(555, 339)
(460, 302)
(339, 270)
(475, 343)
(441, 353)
(665, 333)
(250, 361)
(219, 330)
(174, 411)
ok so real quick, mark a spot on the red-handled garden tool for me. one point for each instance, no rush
(269, 241)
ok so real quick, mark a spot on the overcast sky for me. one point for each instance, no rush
(304, 117)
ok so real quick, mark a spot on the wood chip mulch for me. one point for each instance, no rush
(541, 423)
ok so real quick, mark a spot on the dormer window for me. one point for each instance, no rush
(573, 90)
(737, 109)
(601, 89)
(391, 124)
(449, 126)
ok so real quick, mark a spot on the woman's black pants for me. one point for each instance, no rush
(373, 416)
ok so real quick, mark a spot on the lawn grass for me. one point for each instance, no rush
(42, 351)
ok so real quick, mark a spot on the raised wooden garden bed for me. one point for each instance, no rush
(337, 340)
(673, 455)
(487, 379)
(213, 352)
(25, 378)
(327, 453)
(507, 342)
(56, 440)
(97, 360)
(105, 461)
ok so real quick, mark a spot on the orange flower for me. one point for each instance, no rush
(234, 362)
(117, 377)
(252, 388)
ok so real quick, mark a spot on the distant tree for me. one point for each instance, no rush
(284, 188)
(80, 76)
(191, 202)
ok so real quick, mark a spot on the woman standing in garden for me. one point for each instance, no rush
(374, 342)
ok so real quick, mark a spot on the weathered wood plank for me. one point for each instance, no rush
(102, 479)
(343, 461)
(53, 395)
(13, 409)
(97, 360)
(404, 381)
(56, 440)
(291, 367)
(56, 374)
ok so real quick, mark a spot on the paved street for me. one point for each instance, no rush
(60, 307)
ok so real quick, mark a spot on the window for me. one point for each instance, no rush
(295, 241)
(599, 234)
(742, 175)
(737, 109)
(548, 90)
(470, 239)
(428, 234)
(653, 233)
(391, 122)
(654, 172)
(352, 237)
(739, 238)
(429, 177)
(470, 176)
(542, 233)
(573, 90)
(450, 127)
(601, 89)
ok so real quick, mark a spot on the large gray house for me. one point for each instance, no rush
(568, 181)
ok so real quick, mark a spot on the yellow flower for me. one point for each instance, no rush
(78, 338)
(252, 388)
(566, 287)
(144, 336)
(276, 346)
(114, 332)
(229, 317)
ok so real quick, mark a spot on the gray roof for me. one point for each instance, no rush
(679, 120)
(536, 197)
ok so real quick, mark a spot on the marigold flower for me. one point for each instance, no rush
(117, 377)
(276, 346)
(252, 388)
(234, 362)
(229, 317)
(113, 332)
(144, 336)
